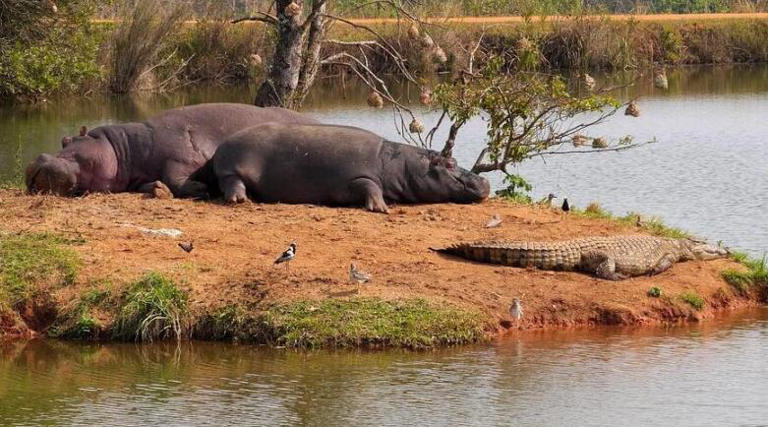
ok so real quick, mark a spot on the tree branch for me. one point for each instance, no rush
(263, 17)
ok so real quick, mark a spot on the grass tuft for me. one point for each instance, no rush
(693, 299)
(756, 274)
(654, 292)
(153, 308)
(653, 226)
(370, 323)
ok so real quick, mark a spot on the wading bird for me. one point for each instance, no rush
(287, 256)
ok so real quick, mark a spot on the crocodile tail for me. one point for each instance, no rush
(467, 251)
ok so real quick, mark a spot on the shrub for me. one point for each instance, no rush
(153, 308)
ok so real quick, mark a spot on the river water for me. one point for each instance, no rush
(711, 374)
(707, 173)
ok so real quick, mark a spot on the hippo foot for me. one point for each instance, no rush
(158, 190)
(234, 190)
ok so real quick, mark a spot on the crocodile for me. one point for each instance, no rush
(611, 257)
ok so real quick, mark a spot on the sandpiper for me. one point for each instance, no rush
(358, 276)
(287, 256)
(516, 309)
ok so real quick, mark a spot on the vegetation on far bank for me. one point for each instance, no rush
(45, 52)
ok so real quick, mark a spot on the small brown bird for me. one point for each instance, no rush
(187, 247)
(416, 126)
(494, 222)
(599, 143)
(578, 140)
(358, 276)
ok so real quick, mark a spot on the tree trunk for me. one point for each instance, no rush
(283, 78)
(312, 56)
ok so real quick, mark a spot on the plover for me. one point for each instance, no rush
(566, 207)
(287, 256)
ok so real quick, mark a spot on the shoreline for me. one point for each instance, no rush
(94, 262)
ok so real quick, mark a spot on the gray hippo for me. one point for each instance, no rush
(170, 147)
(337, 165)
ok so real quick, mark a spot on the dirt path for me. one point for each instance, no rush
(235, 248)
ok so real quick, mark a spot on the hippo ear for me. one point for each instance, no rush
(66, 141)
(83, 130)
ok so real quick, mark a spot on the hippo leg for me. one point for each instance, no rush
(371, 193)
(233, 188)
(176, 176)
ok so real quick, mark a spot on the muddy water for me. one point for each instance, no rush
(707, 173)
(710, 374)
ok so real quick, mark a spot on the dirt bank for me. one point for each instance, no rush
(235, 248)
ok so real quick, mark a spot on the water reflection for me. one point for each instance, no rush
(714, 373)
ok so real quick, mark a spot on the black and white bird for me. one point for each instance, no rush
(566, 207)
(287, 256)
(516, 309)
(358, 276)
(187, 247)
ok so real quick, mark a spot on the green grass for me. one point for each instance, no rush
(654, 292)
(653, 226)
(693, 299)
(153, 308)
(370, 323)
(33, 264)
(78, 321)
(756, 274)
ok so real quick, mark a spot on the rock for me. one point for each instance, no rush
(660, 81)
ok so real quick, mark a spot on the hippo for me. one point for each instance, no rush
(337, 165)
(170, 147)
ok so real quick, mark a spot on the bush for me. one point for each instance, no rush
(153, 308)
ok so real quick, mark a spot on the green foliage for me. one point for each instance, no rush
(153, 308)
(78, 321)
(654, 292)
(756, 274)
(693, 299)
(47, 51)
(517, 189)
(527, 113)
(34, 263)
(370, 322)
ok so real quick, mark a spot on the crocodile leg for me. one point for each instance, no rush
(663, 264)
(607, 270)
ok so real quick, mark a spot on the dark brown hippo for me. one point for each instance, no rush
(169, 147)
(337, 165)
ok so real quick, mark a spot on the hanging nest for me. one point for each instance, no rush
(439, 55)
(425, 97)
(599, 143)
(578, 140)
(416, 126)
(660, 81)
(292, 9)
(375, 100)
(632, 110)
(589, 81)
(413, 31)
(255, 60)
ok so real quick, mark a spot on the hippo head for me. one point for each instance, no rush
(79, 167)
(440, 179)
